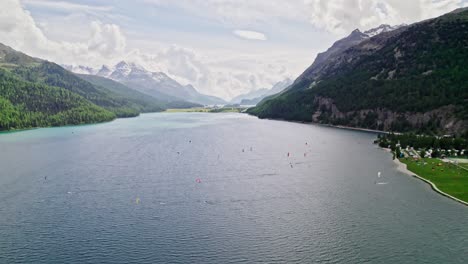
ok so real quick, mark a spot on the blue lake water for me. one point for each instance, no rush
(216, 188)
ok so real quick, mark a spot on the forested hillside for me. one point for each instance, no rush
(413, 79)
(143, 102)
(52, 74)
(24, 105)
(35, 93)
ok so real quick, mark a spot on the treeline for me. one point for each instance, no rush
(24, 105)
(410, 140)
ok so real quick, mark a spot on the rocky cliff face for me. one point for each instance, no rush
(386, 119)
(325, 61)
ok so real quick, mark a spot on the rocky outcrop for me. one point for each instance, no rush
(386, 120)
(338, 53)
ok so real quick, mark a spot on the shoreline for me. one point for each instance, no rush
(12, 131)
(72, 125)
(401, 167)
(360, 129)
(329, 125)
(18, 130)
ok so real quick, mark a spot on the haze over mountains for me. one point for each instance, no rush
(254, 97)
(156, 84)
(410, 78)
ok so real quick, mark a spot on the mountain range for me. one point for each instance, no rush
(38, 93)
(403, 78)
(254, 97)
(408, 78)
(156, 84)
(35, 92)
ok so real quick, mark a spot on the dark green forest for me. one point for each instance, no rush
(25, 105)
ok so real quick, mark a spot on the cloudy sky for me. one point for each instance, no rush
(222, 47)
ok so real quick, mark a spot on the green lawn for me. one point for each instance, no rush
(447, 177)
(464, 165)
(181, 110)
(207, 110)
(227, 110)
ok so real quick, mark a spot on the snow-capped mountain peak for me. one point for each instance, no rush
(340, 46)
(381, 29)
(159, 76)
(122, 69)
(156, 84)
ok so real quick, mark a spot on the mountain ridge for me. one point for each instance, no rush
(409, 79)
(341, 45)
(156, 84)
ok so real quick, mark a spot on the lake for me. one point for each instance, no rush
(216, 188)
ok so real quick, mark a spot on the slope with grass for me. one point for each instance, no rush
(449, 178)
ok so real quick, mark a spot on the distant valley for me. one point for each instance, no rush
(407, 78)
(254, 97)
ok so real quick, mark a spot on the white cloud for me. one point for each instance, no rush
(342, 16)
(337, 16)
(106, 39)
(65, 6)
(248, 34)
(225, 75)
(81, 38)
(19, 30)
